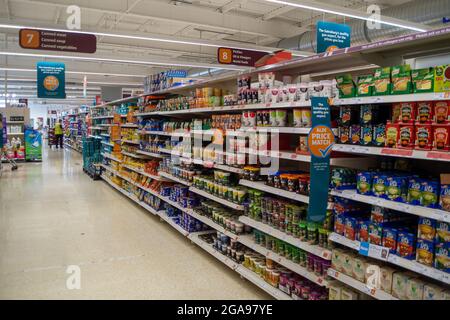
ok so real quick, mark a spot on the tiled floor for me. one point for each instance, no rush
(52, 215)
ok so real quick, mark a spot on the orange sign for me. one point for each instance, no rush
(320, 141)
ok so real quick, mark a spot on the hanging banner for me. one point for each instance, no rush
(3, 133)
(51, 80)
(320, 143)
(332, 36)
(57, 41)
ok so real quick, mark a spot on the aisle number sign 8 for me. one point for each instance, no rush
(225, 55)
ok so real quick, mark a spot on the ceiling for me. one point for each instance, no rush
(249, 23)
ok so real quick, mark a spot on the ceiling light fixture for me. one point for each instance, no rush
(123, 36)
(77, 72)
(171, 64)
(340, 13)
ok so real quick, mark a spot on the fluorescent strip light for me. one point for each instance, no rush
(361, 17)
(79, 81)
(78, 72)
(123, 36)
(39, 55)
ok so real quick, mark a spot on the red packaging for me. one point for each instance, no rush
(424, 136)
(406, 112)
(441, 112)
(441, 134)
(406, 137)
(392, 134)
(424, 112)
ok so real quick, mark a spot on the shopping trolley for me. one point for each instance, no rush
(3, 157)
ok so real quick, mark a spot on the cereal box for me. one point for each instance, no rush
(351, 227)
(355, 134)
(399, 284)
(382, 81)
(363, 232)
(406, 245)
(442, 78)
(349, 294)
(390, 235)
(426, 229)
(401, 79)
(441, 112)
(414, 191)
(406, 137)
(424, 112)
(442, 231)
(364, 182)
(424, 136)
(392, 134)
(375, 233)
(337, 259)
(442, 256)
(414, 289)
(423, 80)
(441, 137)
(429, 193)
(365, 85)
(379, 135)
(366, 135)
(359, 268)
(346, 86)
(396, 188)
(432, 292)
(425, 252)
(386, 278)
(379, 185)
(344, 134)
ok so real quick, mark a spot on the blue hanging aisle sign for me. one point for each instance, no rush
(51, 80)
(176, 73)
(320, 143)
(332, 36)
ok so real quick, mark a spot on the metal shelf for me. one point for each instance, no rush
(150, 154)
(362, 287)
(248, 241)
(279, 192)
(391, 152)
(436, 214)
(173, 178)
(107, 155)
(396, 260)
(316, 250)
(217, 199)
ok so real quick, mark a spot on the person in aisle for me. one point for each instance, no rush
(59, 134)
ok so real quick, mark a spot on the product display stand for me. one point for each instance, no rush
(258, 220)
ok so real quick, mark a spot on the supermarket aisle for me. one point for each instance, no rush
(53, 215)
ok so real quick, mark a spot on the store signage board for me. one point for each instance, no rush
(51, 80)
(320, 142)
(177, 73)
(239, 57)
(38, 39)
(332, 36)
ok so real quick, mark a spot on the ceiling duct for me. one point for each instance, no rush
(428, 12)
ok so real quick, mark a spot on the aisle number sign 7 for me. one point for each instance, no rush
(30, 39)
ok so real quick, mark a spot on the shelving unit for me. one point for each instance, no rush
(316, 250)
(354, 57)
(399, 261)
(436, 214)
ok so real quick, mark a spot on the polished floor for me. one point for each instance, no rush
(53, 216)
